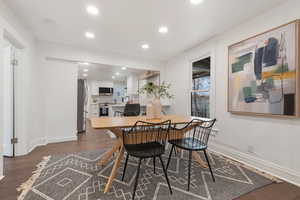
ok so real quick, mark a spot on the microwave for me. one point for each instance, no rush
(105, 91)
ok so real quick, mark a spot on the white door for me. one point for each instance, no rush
(8, 111)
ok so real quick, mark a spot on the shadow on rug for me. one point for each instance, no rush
(77, 177)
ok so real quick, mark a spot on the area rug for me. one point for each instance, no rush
(77, 177)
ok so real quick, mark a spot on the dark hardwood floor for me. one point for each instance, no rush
(18, 170)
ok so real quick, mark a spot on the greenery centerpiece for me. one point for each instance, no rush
(156, 93)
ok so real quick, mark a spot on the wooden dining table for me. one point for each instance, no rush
(115, 125)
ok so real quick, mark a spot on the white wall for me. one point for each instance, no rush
(1, 105)
(7, 101)
(275, 141)
(59, 93)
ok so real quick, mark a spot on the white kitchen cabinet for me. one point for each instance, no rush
(96, 84)
(94, 110)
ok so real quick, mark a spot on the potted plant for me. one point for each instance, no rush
(155, 93)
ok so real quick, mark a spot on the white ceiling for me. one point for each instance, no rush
(123, 25)
(105, 72)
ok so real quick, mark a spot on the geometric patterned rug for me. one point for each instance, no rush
(77, 177)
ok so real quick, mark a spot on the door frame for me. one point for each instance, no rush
(17, 90)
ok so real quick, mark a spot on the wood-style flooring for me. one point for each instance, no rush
(18, 170)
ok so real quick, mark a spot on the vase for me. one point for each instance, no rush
(157, 108)
(154, 109)
(149, 110)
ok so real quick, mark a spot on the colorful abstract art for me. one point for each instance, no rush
(263, 73)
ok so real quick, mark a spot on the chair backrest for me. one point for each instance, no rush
(132, 110)
(146, 132)
(197, 129)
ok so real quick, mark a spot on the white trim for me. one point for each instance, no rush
(36, 143)
(64, 139)
(273, 169)
(44, 141)
(1, 177)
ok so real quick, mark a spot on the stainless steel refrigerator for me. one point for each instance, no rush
(81, 105)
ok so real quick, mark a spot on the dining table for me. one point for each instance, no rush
(116, 124)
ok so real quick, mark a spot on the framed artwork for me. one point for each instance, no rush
(264, 73)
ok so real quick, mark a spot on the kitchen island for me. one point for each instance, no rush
(120, 107)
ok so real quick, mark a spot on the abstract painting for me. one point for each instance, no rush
(263, 73)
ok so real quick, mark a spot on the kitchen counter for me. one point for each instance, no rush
(112, 108)
(123, 105)
(120, 107)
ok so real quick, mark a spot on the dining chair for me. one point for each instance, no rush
(195, 138)
(146, 140)
(129, 110)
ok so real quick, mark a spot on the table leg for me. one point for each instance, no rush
(199, 160)
(114, 170)
(115, 148)
(109, 154)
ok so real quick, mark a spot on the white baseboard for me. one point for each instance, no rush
(43, 142)
(35, 143)
(5, 148)
(64, 139)
(283, 173)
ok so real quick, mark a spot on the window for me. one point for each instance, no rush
(201, 88)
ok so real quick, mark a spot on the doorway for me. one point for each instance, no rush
(200, 95)
(10, 62)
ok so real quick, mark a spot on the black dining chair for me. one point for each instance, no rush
(195, 138)
(129, 110)
(146, 140)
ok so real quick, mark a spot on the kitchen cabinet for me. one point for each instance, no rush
(94, 110)
(94, 86)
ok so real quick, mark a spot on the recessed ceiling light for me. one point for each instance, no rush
(145, 46)
(85, 70)
(92, 10)
(124, 68)
(118, 73)
(163, 29)
(90, 35)
(85, 75)
(113, 77)
(196, 2)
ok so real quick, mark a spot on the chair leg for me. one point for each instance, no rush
(211, 172)
(154, 158)
(170, 156)
(189, 170)
(166, 175)
(125, 166)
(136, 178)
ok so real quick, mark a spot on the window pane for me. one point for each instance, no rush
(202, 83)
(200, 104)
(201, 87)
